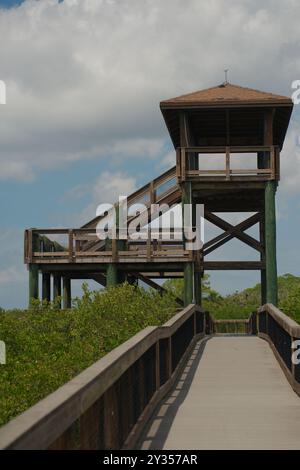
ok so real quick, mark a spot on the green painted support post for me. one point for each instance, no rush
(263, 282)
(197, 288)
(188, 283)
(56, 288)
(189, 266)
(270, 243)
(46, 286)
(33, 282)
(111, 275)
(67, 301)
(263, 286)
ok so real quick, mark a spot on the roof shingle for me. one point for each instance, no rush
(226, 93)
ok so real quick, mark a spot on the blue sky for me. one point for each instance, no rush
(10, 3)
(84, 79)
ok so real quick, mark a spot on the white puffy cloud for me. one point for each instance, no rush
(106, 188)
(290, 163)
(84, 77)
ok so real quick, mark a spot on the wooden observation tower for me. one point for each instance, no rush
(246, 128)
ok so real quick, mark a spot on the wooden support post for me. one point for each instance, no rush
(188, 283)
(71, 245)
(270, 243)
(197, 287)
(66, 292)
(33, 282)
(263, 286)
(188, 267)
(111, 275)
(148, 243)
(46, 286)
(57, 288)
(227, 163)
(33, 268)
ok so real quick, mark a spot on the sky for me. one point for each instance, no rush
(82, 123)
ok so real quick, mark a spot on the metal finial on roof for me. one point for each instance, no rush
(226, 76)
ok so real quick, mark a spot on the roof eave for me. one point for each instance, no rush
(227, 104)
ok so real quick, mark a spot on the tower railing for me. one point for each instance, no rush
(70, 246)
(188, 160)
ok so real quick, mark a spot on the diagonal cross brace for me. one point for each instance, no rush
(231, 231)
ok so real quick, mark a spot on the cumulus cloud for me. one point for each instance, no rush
(106, 188)
(290, 163)
(84, 77)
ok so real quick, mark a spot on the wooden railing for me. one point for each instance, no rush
(107, 405)
(281, 331)
(184, 171)
(233, 326)
(162, 190)
(40, 249)
(154, 192)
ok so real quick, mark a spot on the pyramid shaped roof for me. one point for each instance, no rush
(226, 93)
(244, 106)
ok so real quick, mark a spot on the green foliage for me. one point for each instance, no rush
(241, 304)
(289, 295)
(47, 347)
(176, 287)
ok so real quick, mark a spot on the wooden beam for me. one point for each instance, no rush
(223, 238)
(214, 219)
(233, 265)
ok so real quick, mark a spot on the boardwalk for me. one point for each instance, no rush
(231, 395)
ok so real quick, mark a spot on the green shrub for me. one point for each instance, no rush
(47, 347)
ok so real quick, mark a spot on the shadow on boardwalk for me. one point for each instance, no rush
(157, 430)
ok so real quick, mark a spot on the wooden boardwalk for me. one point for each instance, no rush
(232, 394)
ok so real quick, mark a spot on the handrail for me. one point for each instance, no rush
(73, 251)
(231, 326)
(183, 171)
(287, 323)
(154, 356)
(148, 188)
(280, 331)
